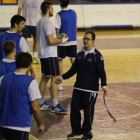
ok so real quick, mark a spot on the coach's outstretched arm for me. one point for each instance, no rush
(69, 73)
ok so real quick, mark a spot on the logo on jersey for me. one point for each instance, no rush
(89, 59)
(79, 57)
(32, 6)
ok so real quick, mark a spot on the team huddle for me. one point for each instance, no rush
(21, 96)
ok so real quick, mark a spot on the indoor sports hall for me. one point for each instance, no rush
(116, 26)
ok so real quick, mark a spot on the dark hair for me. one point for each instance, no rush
(16, 19)
(9, 46)
(23, 60)
(64, 3)
(91, 31)
(45, 5)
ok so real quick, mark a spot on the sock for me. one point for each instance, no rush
(55, 102)
(34, 54)
(41, 101)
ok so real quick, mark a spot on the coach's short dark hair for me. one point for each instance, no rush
(64, 3)
(45, 5)
(16, 19)
(91, 31)
(9, 46)
(23, 60)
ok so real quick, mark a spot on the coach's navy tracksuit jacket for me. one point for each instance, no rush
(89, 69)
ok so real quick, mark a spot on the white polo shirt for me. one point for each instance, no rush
(44, 28)
(31, 11)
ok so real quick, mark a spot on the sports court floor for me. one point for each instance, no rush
(121, 52)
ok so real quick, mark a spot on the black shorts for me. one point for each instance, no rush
(28, 31)
(50, 66)
(11, 134)
(67, 51)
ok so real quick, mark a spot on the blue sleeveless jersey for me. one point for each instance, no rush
(6, 67)
(15, 103)
(68, 23)
(9, 36)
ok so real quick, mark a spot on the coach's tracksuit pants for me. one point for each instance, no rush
(86, 101)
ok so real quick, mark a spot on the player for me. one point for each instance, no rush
(47, 52)
(66, 22)
(19, 100)
(8, 63)
(17, 24)
(31, 11)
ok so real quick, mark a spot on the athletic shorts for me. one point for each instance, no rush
(50, 66)
(28, 31)
(67, 51)
(11, 134)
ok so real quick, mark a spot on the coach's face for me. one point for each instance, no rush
(88, 41)
(20, 26)
(51, 11)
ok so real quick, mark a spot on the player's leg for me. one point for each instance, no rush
(54, 68)
(62, 51)
(89, 100)
(72, 60)
(72, 51)
(35, 45)
(75, 115)
(43, 84)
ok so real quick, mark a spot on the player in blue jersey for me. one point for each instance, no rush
(19, 100)
(17, 24)
(8, 63)
(66, 22)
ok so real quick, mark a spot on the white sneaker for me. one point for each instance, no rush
(60, 87)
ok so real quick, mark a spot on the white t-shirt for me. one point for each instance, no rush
(44, 28)
(58, 25)
(31, 11)
(34, 94)
(22, 43)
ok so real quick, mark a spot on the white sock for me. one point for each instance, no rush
(41, 101)
(34, 54)
(55, 102)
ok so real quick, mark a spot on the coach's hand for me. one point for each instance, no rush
(41, 128)
(105, 91)
(58, 81)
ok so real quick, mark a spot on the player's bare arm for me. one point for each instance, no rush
(37, 115)
(19, 11)
(52, 41)
(57, 32)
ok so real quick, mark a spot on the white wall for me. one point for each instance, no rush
(89, 15)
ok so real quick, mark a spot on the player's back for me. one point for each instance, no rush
(9, 36)
(7, 66)
(68, 23)
(44, 28)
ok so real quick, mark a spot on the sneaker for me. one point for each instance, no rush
(45, 106)
(60, 87)
(35, 61)
(71, 135)
(59, 110)
(85, 138)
